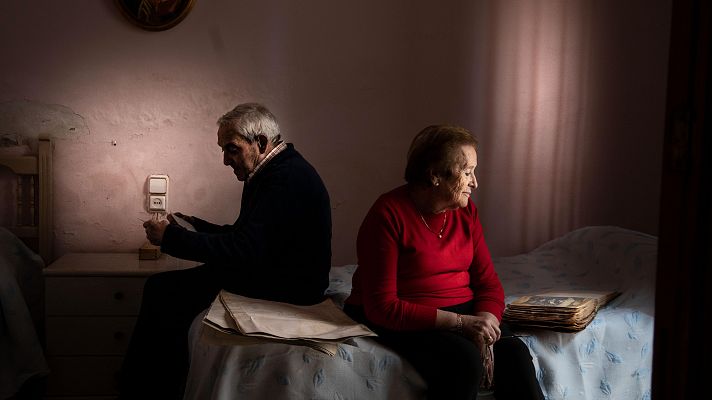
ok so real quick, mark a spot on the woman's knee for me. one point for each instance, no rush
(467, 355)
(459, 369)
(454, 355)
(512, 349)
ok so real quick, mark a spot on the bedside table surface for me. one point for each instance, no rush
(113, 264)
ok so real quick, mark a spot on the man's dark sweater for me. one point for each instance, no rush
(280, 246)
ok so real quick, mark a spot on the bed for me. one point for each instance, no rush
(610, 358)
(25, 248)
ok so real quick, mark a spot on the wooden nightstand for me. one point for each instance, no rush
(92, 300)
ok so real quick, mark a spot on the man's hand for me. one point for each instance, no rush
(155, 230)
(187, 218)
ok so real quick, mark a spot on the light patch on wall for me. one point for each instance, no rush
(539, 64)
(31, 119)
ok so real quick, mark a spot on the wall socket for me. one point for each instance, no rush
(157, 203)
(157, 192)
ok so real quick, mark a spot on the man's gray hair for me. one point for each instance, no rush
(250, 120)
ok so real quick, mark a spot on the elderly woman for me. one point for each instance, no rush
(426, 283)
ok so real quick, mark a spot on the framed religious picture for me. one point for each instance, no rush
(155, 15)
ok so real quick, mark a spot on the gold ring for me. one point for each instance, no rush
(489, 339)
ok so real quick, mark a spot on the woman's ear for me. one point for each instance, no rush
(434, 179)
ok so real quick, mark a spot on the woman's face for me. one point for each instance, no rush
(455, 191)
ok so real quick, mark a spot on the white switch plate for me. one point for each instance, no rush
(157, 195)
(158, 184)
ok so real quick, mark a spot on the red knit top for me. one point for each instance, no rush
(405, 273)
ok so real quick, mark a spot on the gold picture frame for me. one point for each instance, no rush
(155, 15)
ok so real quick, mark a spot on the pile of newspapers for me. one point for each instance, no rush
(568, 311)
(234, 319)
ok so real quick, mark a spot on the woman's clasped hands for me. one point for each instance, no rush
(482, 328)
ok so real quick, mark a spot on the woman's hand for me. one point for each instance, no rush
(482, 328)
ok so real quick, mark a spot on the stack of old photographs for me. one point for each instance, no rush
(569, 311)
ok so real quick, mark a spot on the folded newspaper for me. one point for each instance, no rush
(569, 311)
(236, 319)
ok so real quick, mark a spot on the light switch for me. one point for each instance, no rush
(157, 195)
(158, 184)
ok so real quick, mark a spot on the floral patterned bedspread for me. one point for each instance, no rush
(610, 359)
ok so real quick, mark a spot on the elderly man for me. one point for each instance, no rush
(278, 249)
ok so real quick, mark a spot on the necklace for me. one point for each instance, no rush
(440, 234)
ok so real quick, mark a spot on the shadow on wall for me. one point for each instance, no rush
(22, 122)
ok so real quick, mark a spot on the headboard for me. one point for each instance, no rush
(33, 205)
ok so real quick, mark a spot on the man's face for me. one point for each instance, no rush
(240, 155)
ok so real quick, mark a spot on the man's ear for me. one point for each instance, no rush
(262, 143)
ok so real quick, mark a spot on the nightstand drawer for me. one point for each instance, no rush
(73, 295)
(88, 335)
(83, 376)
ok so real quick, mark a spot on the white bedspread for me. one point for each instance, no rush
(21, 356)
(612, 357)
(360, 369)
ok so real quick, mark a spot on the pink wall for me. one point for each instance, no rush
(567, 98)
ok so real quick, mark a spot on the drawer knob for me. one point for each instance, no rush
(118, 335)
(118, 295)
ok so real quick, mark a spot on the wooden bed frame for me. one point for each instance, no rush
(34, 205)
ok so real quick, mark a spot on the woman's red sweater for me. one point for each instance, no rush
(405, 273)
